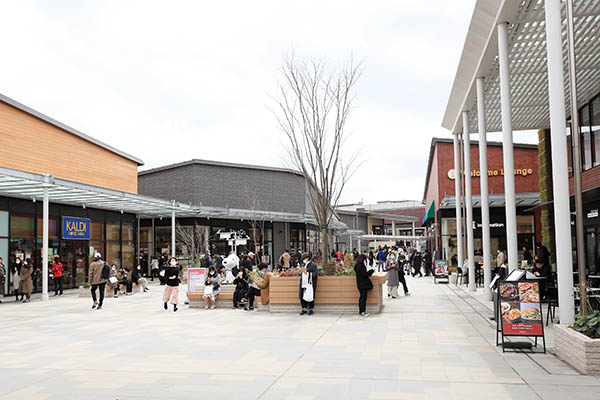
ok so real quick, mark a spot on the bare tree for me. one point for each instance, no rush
(194, 239)
(313, 107)
(257, 223)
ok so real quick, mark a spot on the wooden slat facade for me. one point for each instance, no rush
(33, 145)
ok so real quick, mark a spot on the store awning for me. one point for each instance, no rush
(430, 214)
(495, 200)
(26, 185)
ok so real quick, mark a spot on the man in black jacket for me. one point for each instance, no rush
(363, 283)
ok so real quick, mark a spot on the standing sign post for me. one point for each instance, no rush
(196, 278)
(520, 312)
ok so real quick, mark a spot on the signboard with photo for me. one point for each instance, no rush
(441, 271)
(196, 278)
(520, 309)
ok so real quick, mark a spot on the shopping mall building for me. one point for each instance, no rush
(440, 197)
(514, 74)
(62, 187)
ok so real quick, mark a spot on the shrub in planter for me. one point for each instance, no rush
(85, 285)
(589, 324)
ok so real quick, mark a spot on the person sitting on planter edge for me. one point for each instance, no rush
(308, 285)
(363, 283)
(241, 288)
(258, 280)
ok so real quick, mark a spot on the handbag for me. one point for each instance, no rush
(112, 280)
(162, 273)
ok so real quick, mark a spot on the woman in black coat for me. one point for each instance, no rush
(310, 279)
(363, 283)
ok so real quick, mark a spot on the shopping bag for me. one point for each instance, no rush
(309, 294)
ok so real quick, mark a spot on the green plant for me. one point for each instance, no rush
(85, 285)
(589, 325)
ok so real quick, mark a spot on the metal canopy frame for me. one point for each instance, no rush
(15, 183)
(496, 200)
(528, 70)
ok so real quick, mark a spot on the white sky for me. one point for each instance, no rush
(174, 80)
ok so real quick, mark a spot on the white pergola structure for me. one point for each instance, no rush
(26, 185)
(512, 76)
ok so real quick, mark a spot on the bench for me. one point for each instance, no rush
(224, 300)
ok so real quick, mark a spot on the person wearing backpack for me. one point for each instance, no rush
(98, 274)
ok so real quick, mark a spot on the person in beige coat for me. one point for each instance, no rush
(96, 280)
(26, 283)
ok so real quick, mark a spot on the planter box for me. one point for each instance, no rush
(578, 350)
(84, 292)
(335, 294)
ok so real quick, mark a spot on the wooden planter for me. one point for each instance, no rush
(335, 294)
(582, 352)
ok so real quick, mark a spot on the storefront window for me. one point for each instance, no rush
(128, 254)
(525, 224)
(163, 239)
(21, 225)
(113, 252)
(52, 227)
(297, 239)
(595, 127)
(586, 138)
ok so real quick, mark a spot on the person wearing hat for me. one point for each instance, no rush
(308, 285)
(96, 280)
(251, 260)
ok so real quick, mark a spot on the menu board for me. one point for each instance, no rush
(196, 278)
(441, 269)
(520, 308)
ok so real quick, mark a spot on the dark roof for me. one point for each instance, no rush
(73, 131)
(218, 164)
(435, 141)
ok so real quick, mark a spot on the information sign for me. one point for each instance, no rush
(520, 309)
(196, 278)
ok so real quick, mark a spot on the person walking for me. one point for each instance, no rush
(308, 285)
(57, 274)
(99, 273)
(392, 276)
(381, 260)
(401, 279)
(16, 278)
(363, 283)
(26, 282)
(428, 263)
(154, 268)
(171, 293)
(416, 264)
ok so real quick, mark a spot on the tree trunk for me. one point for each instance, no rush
(324, 245)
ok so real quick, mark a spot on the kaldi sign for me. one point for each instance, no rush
(493, 172)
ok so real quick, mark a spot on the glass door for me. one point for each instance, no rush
(74, 256)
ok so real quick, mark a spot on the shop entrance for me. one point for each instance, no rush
(74, 256)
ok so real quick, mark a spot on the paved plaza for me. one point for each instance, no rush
(438, 343)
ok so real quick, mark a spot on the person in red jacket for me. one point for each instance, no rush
(57, 274)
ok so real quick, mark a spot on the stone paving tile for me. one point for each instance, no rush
(434, 344)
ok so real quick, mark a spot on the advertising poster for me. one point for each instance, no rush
(441, 269)
(520, 309)
(196, 278)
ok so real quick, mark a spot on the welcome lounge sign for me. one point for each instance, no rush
(492, 172)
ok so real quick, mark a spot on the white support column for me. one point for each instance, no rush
(413, 228)
(560, 178)
(393, 228)
(468, 202)
(485, 201)
(45, 213)
(507, 149)
(173, 244)
(457, 172)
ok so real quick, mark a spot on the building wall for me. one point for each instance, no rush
(525, 159)
(32, 145)
(223, 186)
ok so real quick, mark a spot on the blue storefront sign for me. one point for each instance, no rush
(76, 228)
